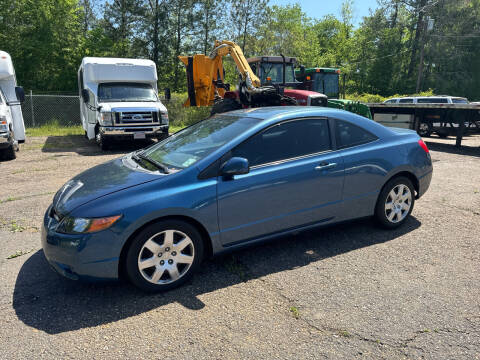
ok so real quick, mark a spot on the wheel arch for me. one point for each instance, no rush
(207, 242)
(409, 175)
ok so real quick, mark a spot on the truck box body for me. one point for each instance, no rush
(12, 107)
(122, 99)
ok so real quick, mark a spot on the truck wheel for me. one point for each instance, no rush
(9, 153)
(225, 105)
(102, 141)
(425, 129)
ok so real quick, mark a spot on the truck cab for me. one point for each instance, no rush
(12, 128)
(119, 100)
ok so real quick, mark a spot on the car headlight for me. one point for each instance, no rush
(164, 117)
(107, 118)
(3, 124)
(71, 225)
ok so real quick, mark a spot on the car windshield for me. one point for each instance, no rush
(275, 72)
(187, 147)
(326, 83)
(113, 92)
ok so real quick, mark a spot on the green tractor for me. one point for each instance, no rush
(326, 81)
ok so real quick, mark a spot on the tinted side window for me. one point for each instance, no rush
(460, 101)
(406, 101)
(348, 135)
(285, 141)
(433, 101)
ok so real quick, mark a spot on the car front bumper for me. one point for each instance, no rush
(129, 131)
(80, 257)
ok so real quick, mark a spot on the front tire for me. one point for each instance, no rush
(164, 255)
(225, 105)
(395, 203)
(102, 141)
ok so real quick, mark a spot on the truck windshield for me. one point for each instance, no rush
(326, 83)
(275, 72)
(188, 146)
(113, 92)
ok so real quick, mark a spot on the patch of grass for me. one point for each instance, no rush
(18, 253)
(295, 312)
(344, 333)
(24, 197)
(53, 129)
(425, 331)
(174, 128)
(16, 227)
(233, 266)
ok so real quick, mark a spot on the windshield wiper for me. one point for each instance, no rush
(155, 163)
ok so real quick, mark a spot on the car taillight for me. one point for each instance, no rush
(423, 146)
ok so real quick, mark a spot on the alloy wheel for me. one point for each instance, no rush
(166, 257)
(398, 203)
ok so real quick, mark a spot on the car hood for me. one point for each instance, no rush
(96, 182)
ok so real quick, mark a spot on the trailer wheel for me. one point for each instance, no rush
(425, 129)
(225, 105)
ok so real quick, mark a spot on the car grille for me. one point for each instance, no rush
(136, 118)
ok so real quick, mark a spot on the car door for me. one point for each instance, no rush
(365, 163)
(295, 179)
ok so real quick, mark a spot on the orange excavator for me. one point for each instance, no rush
(206, 86)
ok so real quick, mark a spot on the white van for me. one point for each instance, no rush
(119, 99)
(12, 128)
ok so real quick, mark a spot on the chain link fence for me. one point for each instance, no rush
(39, 110)
(64, 110)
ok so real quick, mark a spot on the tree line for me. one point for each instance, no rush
(404, 46)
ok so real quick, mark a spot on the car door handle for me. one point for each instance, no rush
(325, 166)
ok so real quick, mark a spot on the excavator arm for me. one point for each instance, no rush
(205, 74)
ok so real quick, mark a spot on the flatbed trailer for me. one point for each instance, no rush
(445, 119)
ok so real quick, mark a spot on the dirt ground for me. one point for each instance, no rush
(343, 292)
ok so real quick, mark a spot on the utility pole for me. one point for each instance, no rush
(427, 25)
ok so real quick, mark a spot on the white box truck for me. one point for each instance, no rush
(12, 128)
(119, 99)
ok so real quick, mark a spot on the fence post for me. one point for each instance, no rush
(31, 107)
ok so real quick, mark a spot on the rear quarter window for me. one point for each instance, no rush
(348, 135)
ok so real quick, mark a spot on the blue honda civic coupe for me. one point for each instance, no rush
(231, 180)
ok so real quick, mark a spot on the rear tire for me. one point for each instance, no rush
(395, 203)
(164, 255)
(225, 105)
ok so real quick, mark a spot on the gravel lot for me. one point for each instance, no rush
(344, 292)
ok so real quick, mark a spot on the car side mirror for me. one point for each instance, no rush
(85, 96)
(168, 95)
(20, 93)
(235, 166)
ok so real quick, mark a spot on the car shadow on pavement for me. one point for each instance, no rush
(452, 149)
(80, 145)
(47, 302)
